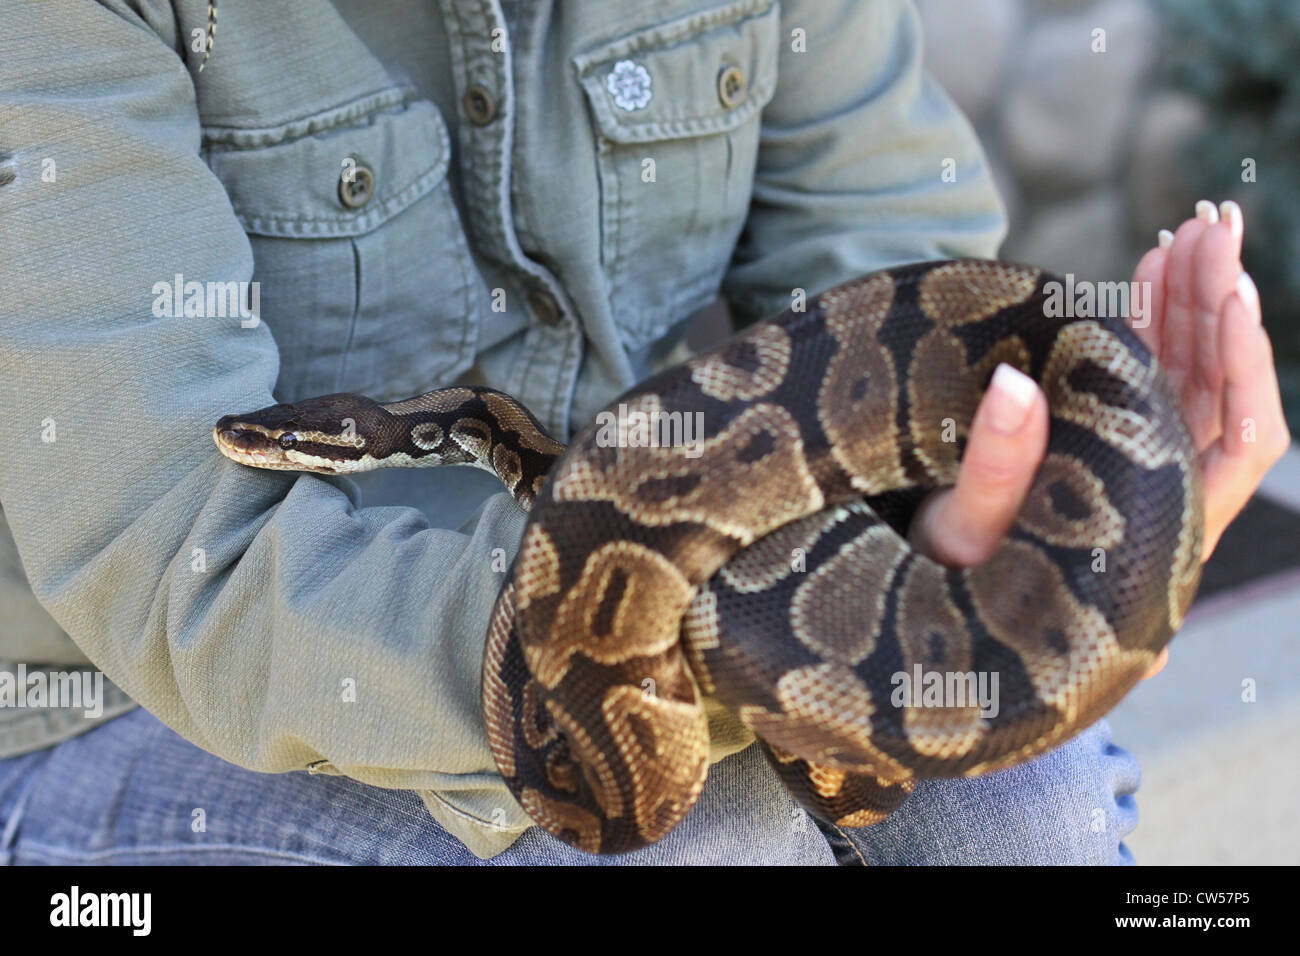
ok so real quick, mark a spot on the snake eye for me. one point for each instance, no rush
(287, 440)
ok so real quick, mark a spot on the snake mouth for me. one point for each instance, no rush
(249, 445)
(260, 447)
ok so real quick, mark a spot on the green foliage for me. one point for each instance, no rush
(1242, 59)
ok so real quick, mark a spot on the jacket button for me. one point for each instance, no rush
(630, 84)
(544, 306)
(356, 185)
(479, 105)
(731, 86)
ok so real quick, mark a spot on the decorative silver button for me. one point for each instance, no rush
(629, 84)
(356, 185)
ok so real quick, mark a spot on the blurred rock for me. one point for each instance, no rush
(1085, 236)
(1067, 109)
(1160, 182)
(969, 46)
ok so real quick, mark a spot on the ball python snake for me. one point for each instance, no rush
(767, 564)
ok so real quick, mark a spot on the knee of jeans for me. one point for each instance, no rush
(1074, 805)
(1089, 785)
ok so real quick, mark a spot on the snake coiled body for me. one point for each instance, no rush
(766, 564)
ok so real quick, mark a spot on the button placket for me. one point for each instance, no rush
(486, 168)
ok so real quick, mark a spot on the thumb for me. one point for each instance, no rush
(963, 525)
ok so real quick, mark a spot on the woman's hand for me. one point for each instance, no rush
(1205, 328)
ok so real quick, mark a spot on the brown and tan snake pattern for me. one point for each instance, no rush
(767, 565)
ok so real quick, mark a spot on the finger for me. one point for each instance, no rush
(1255, 433)
(1175, 340)
(1178, 335)
(1008, 439)
(1149, 276)
(1158, 665)
(1215, 268)
(1230, 213)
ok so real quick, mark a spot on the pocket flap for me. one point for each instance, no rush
(666, 81)
(285, 182)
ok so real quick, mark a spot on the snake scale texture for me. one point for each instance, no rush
(766, 564)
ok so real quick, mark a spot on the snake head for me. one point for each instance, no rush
(328, 435)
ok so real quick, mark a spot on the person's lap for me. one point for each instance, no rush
(1074, 805)
(131, 791)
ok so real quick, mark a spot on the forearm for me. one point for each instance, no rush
(262, 616)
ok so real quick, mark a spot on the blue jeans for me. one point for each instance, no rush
(130, 791)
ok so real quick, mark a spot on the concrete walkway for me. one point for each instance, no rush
(1221, 771)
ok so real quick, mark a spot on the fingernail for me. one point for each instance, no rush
(1165, 238)
(1207, 211)
(1012, 397)
(1247, 292)
(1231, 213)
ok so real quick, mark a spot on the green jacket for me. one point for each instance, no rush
(533, 195)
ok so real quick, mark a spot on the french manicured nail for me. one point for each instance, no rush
(1207, 211)
(1231, 214)
(1164, 238)
(1247, 292)
(1011, 397)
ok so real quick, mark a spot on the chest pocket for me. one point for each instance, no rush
(364, 273)
(676, 109)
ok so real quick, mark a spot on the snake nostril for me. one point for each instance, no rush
(232, 436)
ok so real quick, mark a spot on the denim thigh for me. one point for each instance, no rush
(130, 791)
(1074, 805)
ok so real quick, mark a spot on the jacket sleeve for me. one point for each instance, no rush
(863, 160)
(261, 615)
